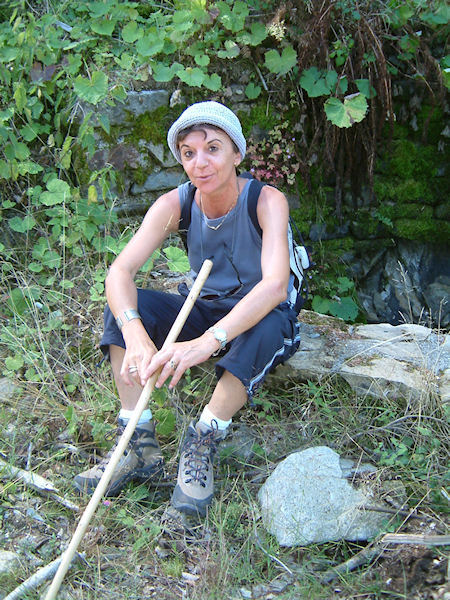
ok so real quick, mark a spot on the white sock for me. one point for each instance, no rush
(208, 416)
(125, 415)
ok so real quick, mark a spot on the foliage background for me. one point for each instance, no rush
(332, 85)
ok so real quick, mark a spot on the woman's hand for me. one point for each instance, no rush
(138, 353)
(176, 358)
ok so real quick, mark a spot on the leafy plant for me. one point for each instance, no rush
(341, 304)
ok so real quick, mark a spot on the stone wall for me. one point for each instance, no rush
(397, 279)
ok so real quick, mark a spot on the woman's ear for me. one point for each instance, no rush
(237, 160)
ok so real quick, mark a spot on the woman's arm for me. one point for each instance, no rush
(161, 219)
(273, 216)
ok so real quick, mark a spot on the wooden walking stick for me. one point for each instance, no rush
(126, 436)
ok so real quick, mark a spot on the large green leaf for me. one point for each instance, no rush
(231, 50)
(104, 26)
(192, 76)
(318, 82)
(346, 309)
(252, 91)
(91, 90)
(162, 72)
(58, 191)
(345, 114)
(255, 36)
(178, 261)
(151, 43)
(22, 225)
(213, 82)
(131, 32)
(281, 64)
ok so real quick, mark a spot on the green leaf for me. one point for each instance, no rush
(29, 133)
(320, 305)
(177, 259)
(165, 419)
(28, 166)
(446, 77)
(131, 32)
(151, 43)
(281, 64)
(92, 90)
(22, 225)
(162, 72)
(14, 363)
(255, 36)
(104, 26)
(192, 76)
(317, 82)
(103, 119)
(202, 60)
(58, 191)
(252, 91)
(20, 97)
(345, 114)
(213, 82)
(6, 115)
(345, 284)
(346, 309)
(231, 50)
(365, 88)
(233, 19)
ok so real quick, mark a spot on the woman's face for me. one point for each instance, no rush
(209, 159)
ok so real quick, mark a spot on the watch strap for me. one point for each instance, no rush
(221, 336)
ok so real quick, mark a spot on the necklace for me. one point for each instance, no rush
(216, 227)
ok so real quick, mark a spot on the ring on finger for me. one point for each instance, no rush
(173, 365)
(132, 369)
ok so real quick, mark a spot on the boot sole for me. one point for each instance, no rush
(188, 505)
(143, 475)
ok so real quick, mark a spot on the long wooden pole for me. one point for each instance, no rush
(126, 436)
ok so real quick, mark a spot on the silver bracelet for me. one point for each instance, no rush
(129, 315)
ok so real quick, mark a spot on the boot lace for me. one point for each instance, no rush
(111, 435)
(199, 451)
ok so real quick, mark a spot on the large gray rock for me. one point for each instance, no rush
(308, 500)
(135, 104)
(379, 360)
(158, 181)
(405, 280)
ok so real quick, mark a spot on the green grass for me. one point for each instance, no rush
(62, 400)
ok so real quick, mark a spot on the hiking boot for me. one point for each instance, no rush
(141, 460)
(195, 484)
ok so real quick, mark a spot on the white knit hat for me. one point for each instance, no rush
(210, 113)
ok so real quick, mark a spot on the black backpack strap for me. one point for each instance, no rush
(252, 200)
(185, 217)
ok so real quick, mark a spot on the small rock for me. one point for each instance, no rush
(9, 561)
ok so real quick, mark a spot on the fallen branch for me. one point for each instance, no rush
(36, 482)
(33, 480)
(361, 558)
(407, 538)
(38, 578)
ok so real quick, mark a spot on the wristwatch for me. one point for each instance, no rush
(129, 315)
(221, 337)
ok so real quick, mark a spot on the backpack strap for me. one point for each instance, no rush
(185, 217)
(252, 200)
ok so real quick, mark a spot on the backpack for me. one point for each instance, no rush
(299, 259)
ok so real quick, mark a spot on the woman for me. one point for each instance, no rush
(241, 313)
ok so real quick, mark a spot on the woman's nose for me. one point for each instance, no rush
(202, 159)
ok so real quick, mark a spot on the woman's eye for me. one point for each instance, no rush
(187, 154)
(213, 148)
